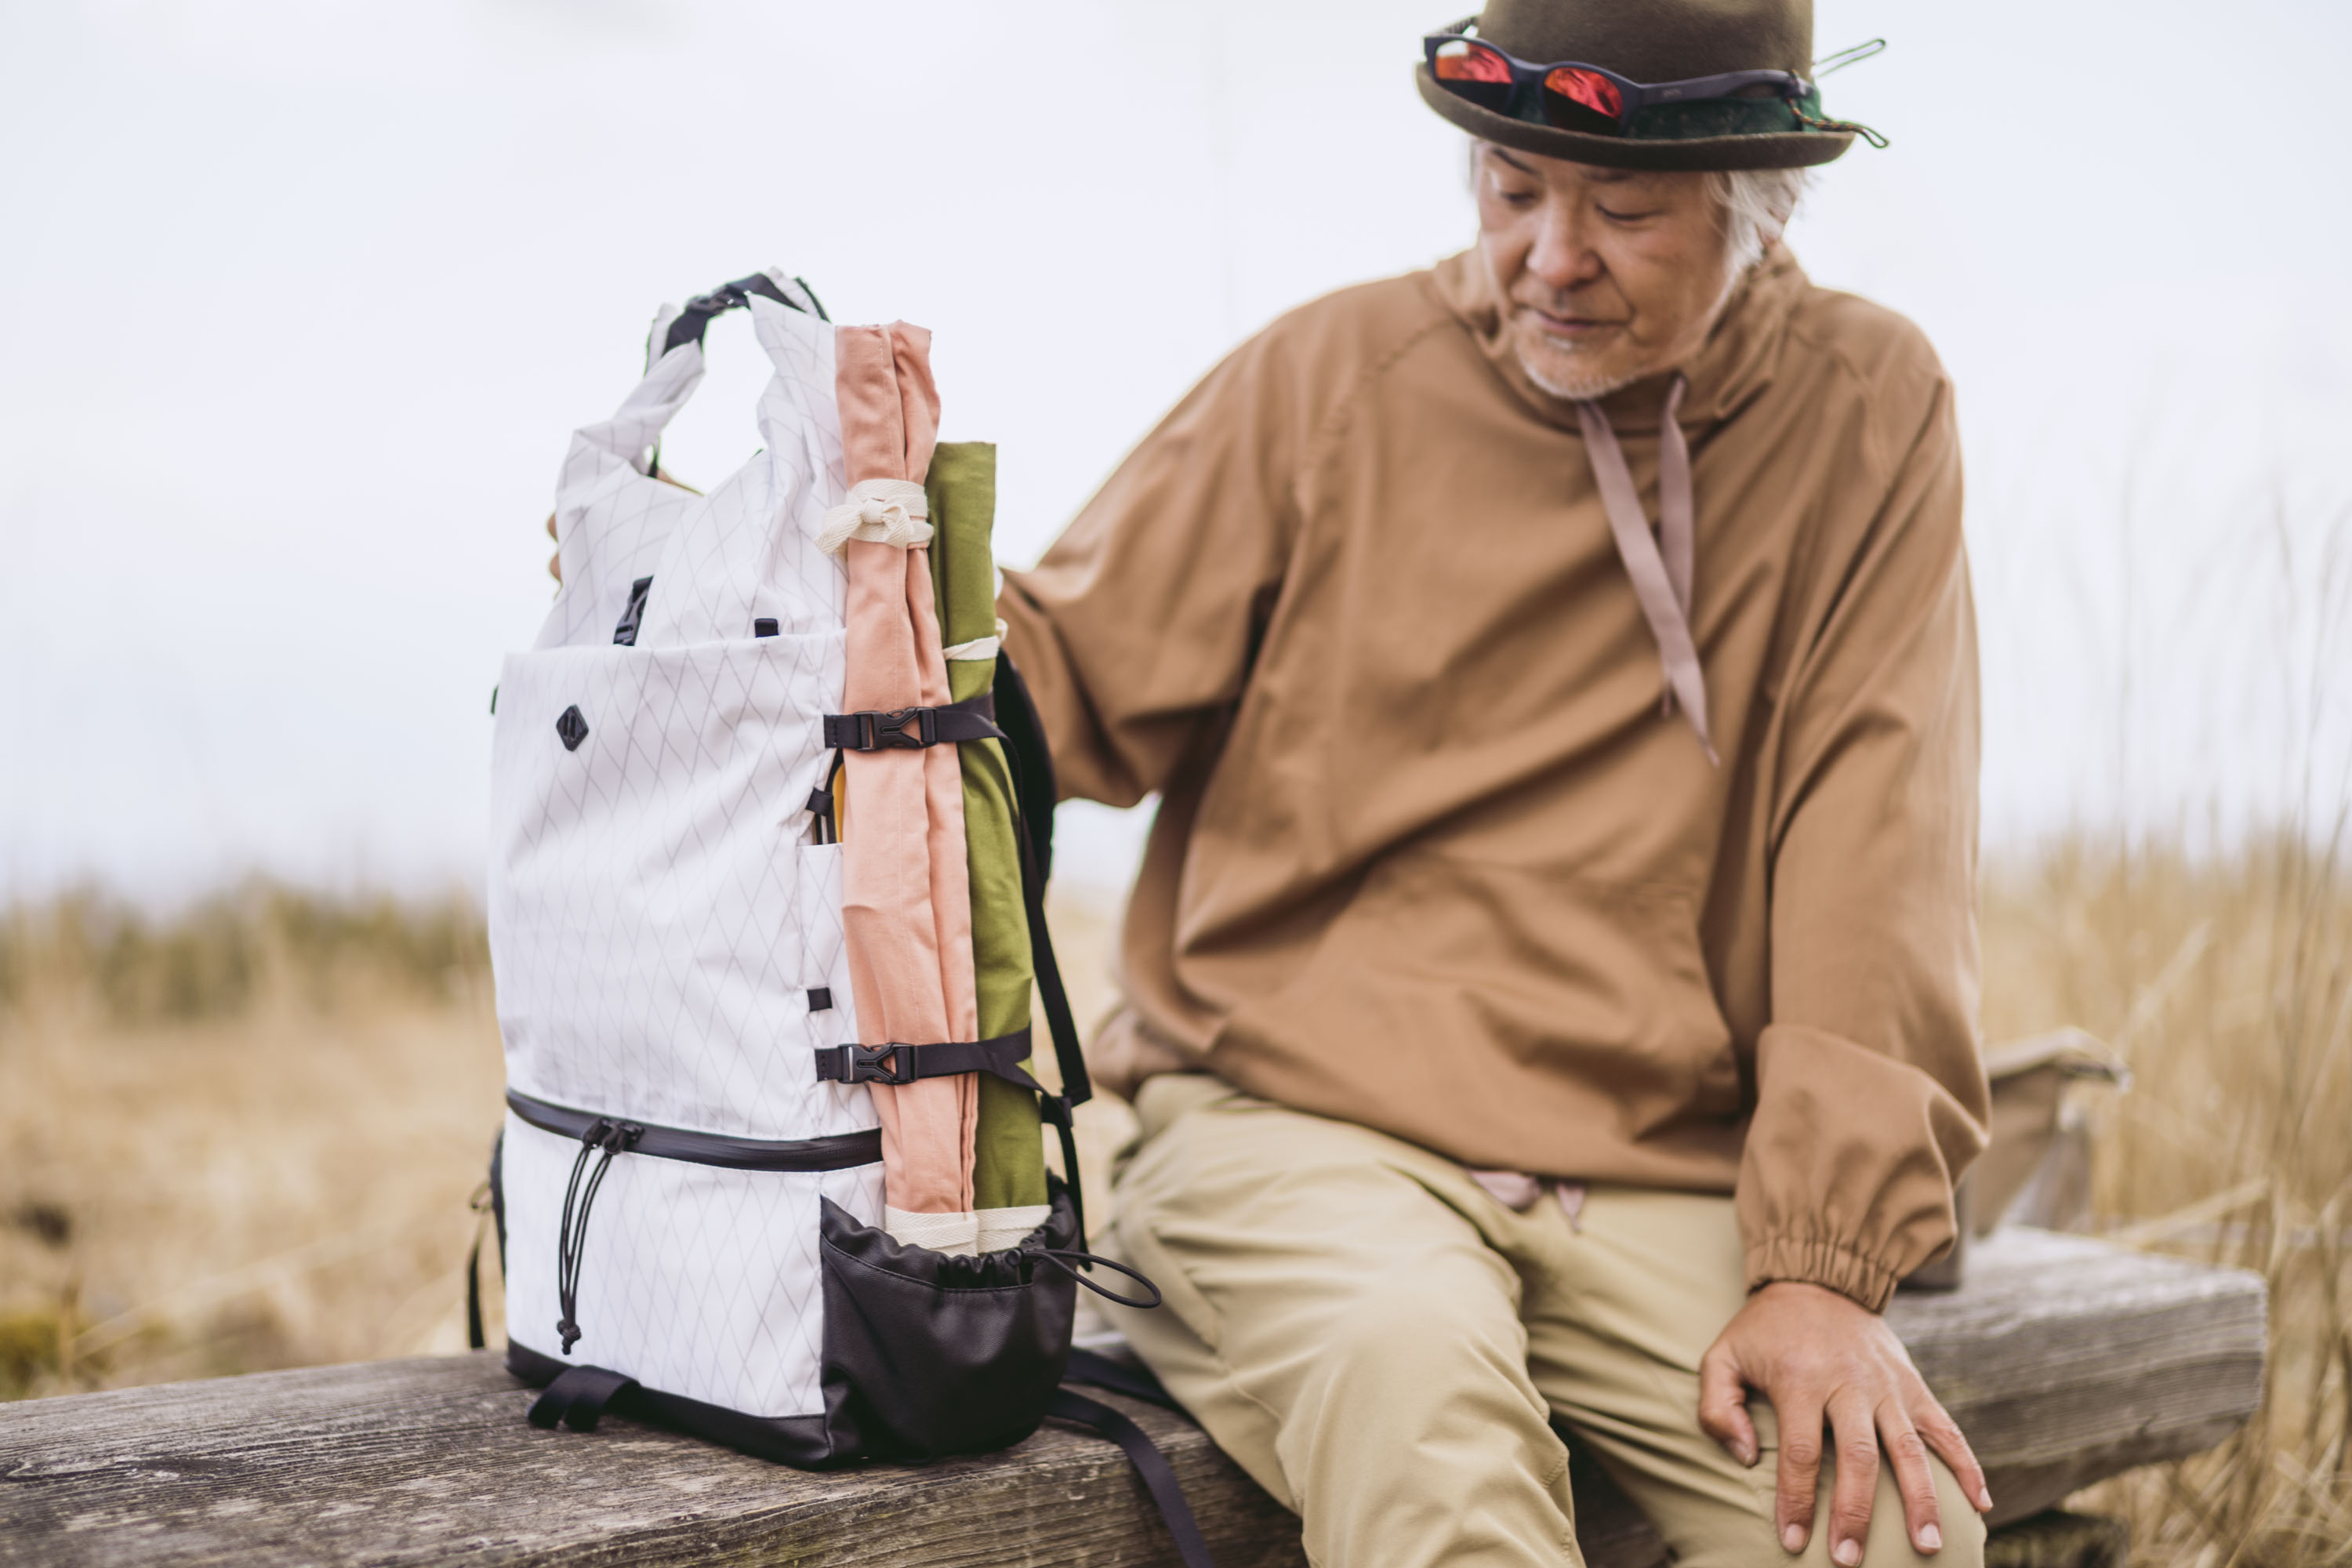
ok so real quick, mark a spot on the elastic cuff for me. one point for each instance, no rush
(1822, 1263)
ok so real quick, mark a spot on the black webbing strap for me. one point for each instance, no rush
(898, 1064)
(490, 1204)
(475, 1338)
(1035, 789)
(1077, 1088)
(1158, 1476)
(578, 1397)
(695, 320)
(1130, 1378)
(1025, 756)
(912, 729)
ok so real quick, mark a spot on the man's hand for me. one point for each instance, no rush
(1819, 1357)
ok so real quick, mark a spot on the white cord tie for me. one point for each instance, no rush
(881, 512)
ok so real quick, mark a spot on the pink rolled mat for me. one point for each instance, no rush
(906, 893)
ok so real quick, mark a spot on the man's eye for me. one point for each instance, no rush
(1625, 217)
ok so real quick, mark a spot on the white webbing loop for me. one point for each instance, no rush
(882, 511)
(955, 1234)
(979, 650)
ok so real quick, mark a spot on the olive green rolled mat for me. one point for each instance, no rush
(1008, 1152)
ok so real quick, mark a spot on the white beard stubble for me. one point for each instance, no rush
(1593, 386)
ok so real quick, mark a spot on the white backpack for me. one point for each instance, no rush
(688, 1213)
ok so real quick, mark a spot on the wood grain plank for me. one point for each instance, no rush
(2065, 1360)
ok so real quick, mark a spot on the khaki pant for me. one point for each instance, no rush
(1381, 1343)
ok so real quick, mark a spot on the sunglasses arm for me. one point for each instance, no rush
(1786, 84)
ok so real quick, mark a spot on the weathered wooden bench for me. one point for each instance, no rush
(2065, 1360)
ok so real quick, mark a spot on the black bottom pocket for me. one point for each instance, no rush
(927, 1354)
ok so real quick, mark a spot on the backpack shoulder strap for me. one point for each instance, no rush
(1150, 1464)
(1031, 763)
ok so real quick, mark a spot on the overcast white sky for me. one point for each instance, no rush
(300, 299)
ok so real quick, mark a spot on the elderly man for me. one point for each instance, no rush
(1551, 980)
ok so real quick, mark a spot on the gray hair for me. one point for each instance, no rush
(1756, 204)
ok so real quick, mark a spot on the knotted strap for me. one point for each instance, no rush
(1662, 582)
(883, 511)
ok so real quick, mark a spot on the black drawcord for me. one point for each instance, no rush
(613, 1138)
(1059, 1257)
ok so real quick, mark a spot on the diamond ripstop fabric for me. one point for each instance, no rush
(906, 900)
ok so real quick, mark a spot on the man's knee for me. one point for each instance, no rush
(1709, 1537)
(1415, 1434)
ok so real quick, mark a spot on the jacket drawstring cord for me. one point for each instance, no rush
(1662, 582)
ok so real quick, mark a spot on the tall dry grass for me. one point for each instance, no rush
(2226, 984)
(237, 1139)
(245, 1137)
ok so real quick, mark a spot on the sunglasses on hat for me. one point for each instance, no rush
(1574, 96)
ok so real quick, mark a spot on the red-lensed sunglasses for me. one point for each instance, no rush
(1574, 96)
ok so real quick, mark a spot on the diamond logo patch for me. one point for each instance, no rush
(571, 728)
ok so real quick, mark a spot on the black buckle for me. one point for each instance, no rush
(907, 729)
(890, 728)
(868, 1064)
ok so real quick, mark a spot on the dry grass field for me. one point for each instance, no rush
(247, 1137)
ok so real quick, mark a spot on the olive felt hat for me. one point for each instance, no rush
(1659, 41)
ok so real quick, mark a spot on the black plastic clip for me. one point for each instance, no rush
(911, 729)
(906, 729)
(891, 1064)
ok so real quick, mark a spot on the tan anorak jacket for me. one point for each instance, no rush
(1431, 857)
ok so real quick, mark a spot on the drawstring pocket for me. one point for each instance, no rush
(611, 1138)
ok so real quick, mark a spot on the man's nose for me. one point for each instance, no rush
(1560, 259)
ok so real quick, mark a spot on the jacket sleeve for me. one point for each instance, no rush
(1137, 626)
(1870, 1090)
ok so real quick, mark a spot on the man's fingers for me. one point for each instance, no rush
(554, 562)
(1857, 1478)
(1723, 1406)
(1800, 1466)
(1943, 1434)
(1915, 1477)
(551, 525)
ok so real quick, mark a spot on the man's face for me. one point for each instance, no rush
(1608, 275)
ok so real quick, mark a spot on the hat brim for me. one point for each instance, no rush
(1775, 150)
